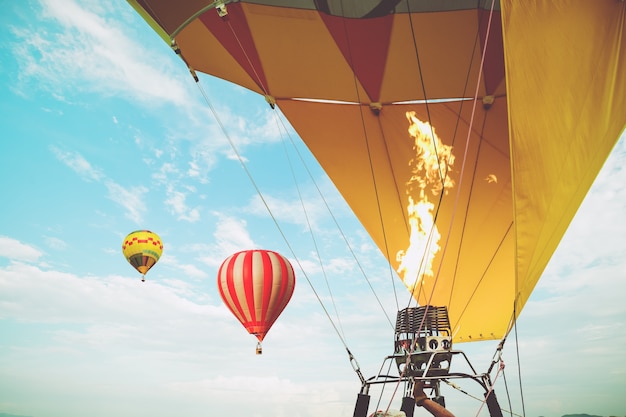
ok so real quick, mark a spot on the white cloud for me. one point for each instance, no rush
(78, 164)
(86, 52)
(55, 243)
(176, 201)
(18, 251)
(262, 128)
(279, 394)
(88, 46)
(171, 340)
(131, 199)
(51, 296)
(244, 132)
(290, 211)
(152, 338)
(165, 172)
(231, 236)
(186, 270)
(194, 171)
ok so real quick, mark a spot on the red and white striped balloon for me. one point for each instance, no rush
(256, 286)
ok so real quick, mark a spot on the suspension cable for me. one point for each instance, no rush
(444, 175)
(264, 201)
(241, 161)
(308, 222)
(519, 368)
(490, 389)
(457, 388)
(369, 156)
(339, 333)
(508, 394)
(336, 222)
(258, 80)
(469, 133)
(442, 178)
(463, 165)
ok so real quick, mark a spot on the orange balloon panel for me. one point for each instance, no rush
(256, 286)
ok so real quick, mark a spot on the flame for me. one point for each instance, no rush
(429, 177)
(491, 178)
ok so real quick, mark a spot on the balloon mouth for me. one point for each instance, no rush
(259, 348)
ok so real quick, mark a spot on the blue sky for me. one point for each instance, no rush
(104, 132)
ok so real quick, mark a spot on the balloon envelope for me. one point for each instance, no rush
(142, 249)
(468, 200)
(256, 286)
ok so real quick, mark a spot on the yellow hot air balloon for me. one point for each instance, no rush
(142, 249)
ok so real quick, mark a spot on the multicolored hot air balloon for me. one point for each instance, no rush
(464, 135)
(256, 286)
(142, 249)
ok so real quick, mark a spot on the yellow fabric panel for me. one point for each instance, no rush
(204, 53)
(299, 56)
(308, 63)
(445, 57)
(478, 257)
(566, 78)
(290, 63)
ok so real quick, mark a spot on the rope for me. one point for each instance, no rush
(441, 174)
(463, 166)
(280, 230)
(256, 74)
(469, 133)
(387, 254)
(353, 361)
(454, 210)
(382, 391)
(471, 191)
(508, 394)
(339, 228)
(325, 201)
(519, 369)
(490, 390)
(442, 177)
(241, 161)
(308, 222)
(456, 387)
(369, 158)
